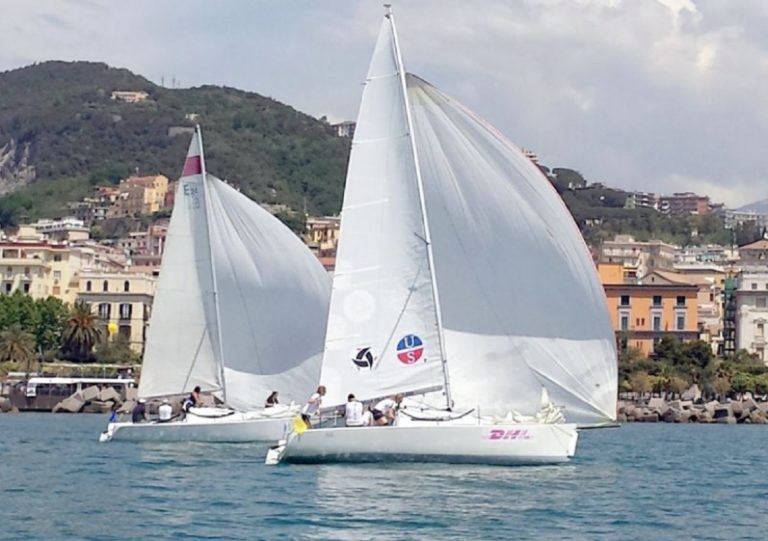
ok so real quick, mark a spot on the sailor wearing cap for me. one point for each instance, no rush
(139, 412)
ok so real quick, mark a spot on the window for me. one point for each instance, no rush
(105, 310)
(57, 275)
(657, 300)
(656, 323)
(760, 353)
(760, 330)
(680, 322)
(88, 285)
(105, 286)
(624, 323)
(126, 286)
(57, 258)
(125, 311)
(7, 288)
(754, 285)
(125, 331)
(680, 300)
(26, 288)
(625, 300)
(760, 302)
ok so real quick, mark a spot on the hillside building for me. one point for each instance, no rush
(122, 298)
(751, 298)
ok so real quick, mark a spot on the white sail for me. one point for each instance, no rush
(182, 348)
(273, 296)
(382, 333)
(521, 303)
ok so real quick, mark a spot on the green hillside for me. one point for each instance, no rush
(61, 131)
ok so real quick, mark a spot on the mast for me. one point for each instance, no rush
(425, 220)
(213, 267)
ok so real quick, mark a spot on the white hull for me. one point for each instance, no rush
(235, 428)
(505, 444)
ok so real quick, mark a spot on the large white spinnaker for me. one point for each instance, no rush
(383, 334)
(520, 300)
(182, 347)
(273, 296)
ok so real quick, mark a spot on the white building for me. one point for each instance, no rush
(738, 217)
(64, 229)
(752, 312)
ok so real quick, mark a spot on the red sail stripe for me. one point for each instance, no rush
(193, 166)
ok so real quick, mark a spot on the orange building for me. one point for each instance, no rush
(642, 314)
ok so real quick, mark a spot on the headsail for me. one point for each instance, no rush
(382, 328)
(182, 347)
(521, 303)
(273, 296)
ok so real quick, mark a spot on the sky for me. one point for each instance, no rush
(649, 95)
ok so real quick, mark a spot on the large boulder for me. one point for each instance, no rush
(724, 415)
(657, 404)
(109, 393)
(712, 406)
(675, 404)
(671, 415)
(757, 417)
(737, 408)
(90, 393)
(651, 417)
(5, 405)
(73, 404)
(131, 393)
(98, 406)
(693, 393)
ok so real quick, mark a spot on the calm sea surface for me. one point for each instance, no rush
(645, 482)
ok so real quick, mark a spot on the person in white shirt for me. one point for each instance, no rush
(353, 412)
(165, 411)
(385, 411)
(312, 407)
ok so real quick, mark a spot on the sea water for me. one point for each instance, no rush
(645, 482)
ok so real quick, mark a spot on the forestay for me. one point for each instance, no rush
(273, 296)
(521, 303)
(382, 329)
(182, 349)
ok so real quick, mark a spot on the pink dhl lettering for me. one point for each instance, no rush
(515, 434)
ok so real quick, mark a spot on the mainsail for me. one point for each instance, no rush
(520, 306)
(182, 347)
(255, 295)
(383, 333)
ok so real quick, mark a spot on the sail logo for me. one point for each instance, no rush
(410, 348)
(516, 434)
(363, 358)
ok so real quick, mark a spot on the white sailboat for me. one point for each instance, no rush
(461, 277)
(240, 310)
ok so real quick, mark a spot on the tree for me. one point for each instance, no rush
(722, 386)
(48, 324)
(640, 383)
(116, 351)
(81, 333)
(18, 346)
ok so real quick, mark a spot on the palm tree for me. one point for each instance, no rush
(17, 345)
(81, 333)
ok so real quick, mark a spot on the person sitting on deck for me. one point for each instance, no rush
(139, 412)
(271, 400)
(385, 411)
(353, 412)
(193, 400)
(164, 412)
(312, 406)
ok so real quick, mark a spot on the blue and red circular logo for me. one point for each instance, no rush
(410, 348)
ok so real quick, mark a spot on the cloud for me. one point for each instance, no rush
(655, 95)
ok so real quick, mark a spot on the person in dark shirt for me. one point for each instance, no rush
(139, 412)
(271, 400)
(193, 400)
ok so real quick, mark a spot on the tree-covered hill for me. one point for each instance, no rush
(61, 134)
